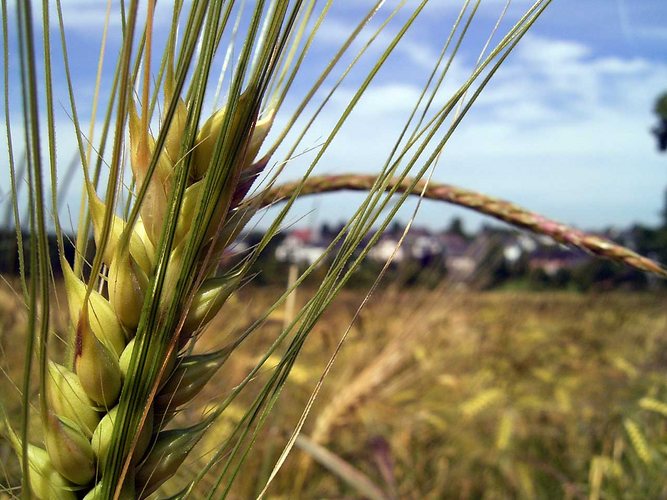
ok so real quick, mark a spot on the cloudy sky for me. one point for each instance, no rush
(563, 129)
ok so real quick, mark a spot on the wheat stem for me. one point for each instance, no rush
(505, 211)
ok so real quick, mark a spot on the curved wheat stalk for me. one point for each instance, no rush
(499, 209)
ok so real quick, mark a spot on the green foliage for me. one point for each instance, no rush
(603, 275)
(660, 131)
(660, 108)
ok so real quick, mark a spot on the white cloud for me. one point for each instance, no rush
(573, 83)
(335, 31)
(561, 129)
(569, 134)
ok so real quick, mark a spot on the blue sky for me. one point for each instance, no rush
(564, 128)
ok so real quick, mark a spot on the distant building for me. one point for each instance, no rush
(425, 247)
(300, 246)
(459, 260)
(463, 257)
(386, 249)
(555, 259)
(519, 245)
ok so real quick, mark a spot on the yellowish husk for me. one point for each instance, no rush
(96, 367)
(127, 284)
(45, 481)
(69, 450)
(103, 320)
(67, 398)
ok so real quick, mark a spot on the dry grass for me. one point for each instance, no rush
(456, 396)
(461, 395)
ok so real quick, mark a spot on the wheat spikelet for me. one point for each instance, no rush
(638, 441)
(505, 431)
(364, 385)
(653, 405)
(482, 401)
(596, 474)
(526, 481)
(367, 383)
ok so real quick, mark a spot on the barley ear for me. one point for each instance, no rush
(172, 144)
(45, 481)
(208, 300)
(126, 357)
(140, 250)
(127, 492)
(191, 200)
(154, 205)
(188, 379)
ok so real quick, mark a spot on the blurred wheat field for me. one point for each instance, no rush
(444, 394)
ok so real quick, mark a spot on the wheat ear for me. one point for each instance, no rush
(494, 207)
(82, 400)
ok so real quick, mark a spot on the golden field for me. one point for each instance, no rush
(440, 394)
